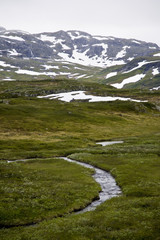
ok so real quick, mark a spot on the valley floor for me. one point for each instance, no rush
(47, 190)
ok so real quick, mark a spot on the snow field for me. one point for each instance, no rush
(12, 37)
(155, 71)
(122, 53)
(157, 55)
(111, 74)
(81, 95)
(132, 79)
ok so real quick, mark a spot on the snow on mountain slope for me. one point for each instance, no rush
(132, 79)
(3, 64)
(155, 71)
(83, 48)
(140, 64)
(74, 46)
(84, 59)
(25, 68)
(79, 55)
(157, 55)
(122, 53)
(12, 37)
(111, 74)
(139, 72)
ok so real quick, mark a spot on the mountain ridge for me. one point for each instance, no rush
(75, 46)
(85, 55)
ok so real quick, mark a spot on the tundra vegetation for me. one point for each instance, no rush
(39, 196)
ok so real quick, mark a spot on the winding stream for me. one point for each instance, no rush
(107, 183)
(109, 188)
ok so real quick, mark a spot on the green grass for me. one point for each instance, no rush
(135, 215)
(38, 66)
(32, 127)
(135, 164)
(41, 128)
(35, 190)
(95, 74)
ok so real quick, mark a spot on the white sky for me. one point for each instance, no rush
(139, 19)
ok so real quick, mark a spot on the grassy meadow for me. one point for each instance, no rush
(46, 190)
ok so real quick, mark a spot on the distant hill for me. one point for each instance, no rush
(79, 55)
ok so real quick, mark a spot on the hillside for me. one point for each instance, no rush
(41, 192)
(79, 55)
(61, 95)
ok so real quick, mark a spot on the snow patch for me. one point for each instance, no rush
(78, 35)
(33, 73)
(89, 76)
(63, 62)
(105, 46)
(3, 64)
(50, 74)
(134, 41)
(79, 68)
(81, 76)
(130, 59)
(132, 79)
(47, 67)
(122, 53)
(111, 74)
(101, 38)
(81, 95)
(14, 53)
(12, 37)
(83, 59)
(152, 47)
(8, 79)
(140, 65)
(157, 55)
(155, 71)
(47, 38)
(74, 74)
(64, 73)
(28, 72)
(156, 88)
(66, 67)
(65, 47)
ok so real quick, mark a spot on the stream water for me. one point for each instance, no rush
(109, 188)
(108, 143)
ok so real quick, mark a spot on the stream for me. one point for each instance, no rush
(109, 188)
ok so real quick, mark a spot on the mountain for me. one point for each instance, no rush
(82, 48)
(143, 72)
(79, 55)
(74, 46)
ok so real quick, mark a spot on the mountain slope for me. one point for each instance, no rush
(82, 48)
(74, 46)
(79, 55)
(140, 72)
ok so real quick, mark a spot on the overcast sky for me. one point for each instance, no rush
(139, 19)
